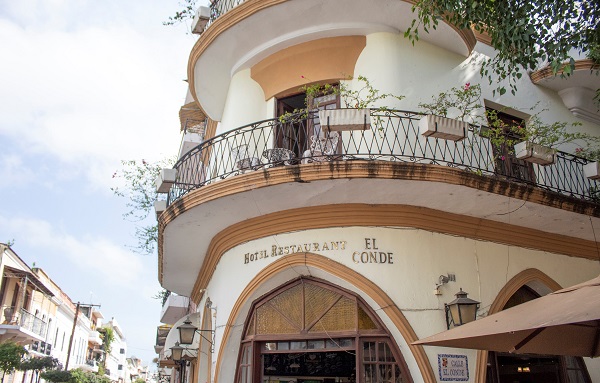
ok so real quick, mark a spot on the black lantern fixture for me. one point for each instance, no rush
(186, 332)
(177, 352)
(461, 310)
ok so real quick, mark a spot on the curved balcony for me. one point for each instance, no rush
(274, 171)
(394, 137)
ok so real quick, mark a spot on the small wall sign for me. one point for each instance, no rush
(453, 368)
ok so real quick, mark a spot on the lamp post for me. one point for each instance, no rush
(461, 310)
(177, 356)
(186, 332)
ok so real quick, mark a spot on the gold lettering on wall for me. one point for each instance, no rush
(370, 254)
(277, 250)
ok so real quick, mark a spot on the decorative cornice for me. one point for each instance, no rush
(546, 72)
(346, 215)
(359, 281)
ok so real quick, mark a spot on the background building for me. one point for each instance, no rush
(37, 314)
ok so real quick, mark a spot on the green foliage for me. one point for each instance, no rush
(187, 12)
(551, 135)
(139, 380)
(108, 336)
(162, 295)
(524, 33)
(140, 192)
(80, 376)
(366, 96)
(459, 103)
(39, 364)
(56, 376)
(11, 355)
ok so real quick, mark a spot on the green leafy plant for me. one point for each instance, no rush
(11, 355)
(38, 365)
(162, 295)
(108, 336)
(550, 135)
(366, 96)
(56, 376)
(460, 103)
(140, 191)
(524, 33)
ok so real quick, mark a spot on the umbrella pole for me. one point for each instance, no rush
(526, 340)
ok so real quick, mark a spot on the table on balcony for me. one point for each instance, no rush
(279, 156)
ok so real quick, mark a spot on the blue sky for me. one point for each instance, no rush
(83, 85)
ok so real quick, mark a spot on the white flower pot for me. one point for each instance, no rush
(443, 127)
(166, 178)
(535, 153)
(592, 170)
(345, 119)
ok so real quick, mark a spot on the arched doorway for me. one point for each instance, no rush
(309, 331)
(524, 368)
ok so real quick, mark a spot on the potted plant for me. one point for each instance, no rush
(357, 115)
(458, 103)
(540, 140)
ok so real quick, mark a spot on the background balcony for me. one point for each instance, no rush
(95, 338)
(174, 308)
(21, 325)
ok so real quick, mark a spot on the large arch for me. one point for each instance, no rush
(340, 271)
(534, 278)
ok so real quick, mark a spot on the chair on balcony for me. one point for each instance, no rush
(242, 160)
(321, 148)
(280, 156)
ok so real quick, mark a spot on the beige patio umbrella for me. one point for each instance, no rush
(565, 322)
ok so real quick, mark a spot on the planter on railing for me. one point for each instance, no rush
(345, 119)
(592, 170)
(443, 127)
(535, 153)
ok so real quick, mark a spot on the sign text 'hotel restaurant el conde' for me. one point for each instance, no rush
(370, 254)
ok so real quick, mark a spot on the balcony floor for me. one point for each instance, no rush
(464, 198)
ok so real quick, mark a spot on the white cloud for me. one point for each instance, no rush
(92, 96)
(13, 171)
(109, 262)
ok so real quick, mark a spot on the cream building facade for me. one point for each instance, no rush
(313, 263)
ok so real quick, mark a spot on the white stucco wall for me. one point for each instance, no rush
(245, 103)
(393, 65)
(419, 258)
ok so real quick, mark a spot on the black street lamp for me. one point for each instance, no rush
(461, 310)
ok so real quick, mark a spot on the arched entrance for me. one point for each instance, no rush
(309, 331)
(524, 368)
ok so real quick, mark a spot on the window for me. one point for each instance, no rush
(120, 367)
(122, 351)
(296, 135)
(308, 330)
(506, 162)
(503, 367)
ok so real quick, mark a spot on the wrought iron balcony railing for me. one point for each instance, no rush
(22, 318)
(220, 7)
(394, 136)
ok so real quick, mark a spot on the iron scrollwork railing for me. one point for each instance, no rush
(220, 7)
(394, 136)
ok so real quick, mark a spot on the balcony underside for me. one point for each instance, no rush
(367, 193)
(244, 36)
